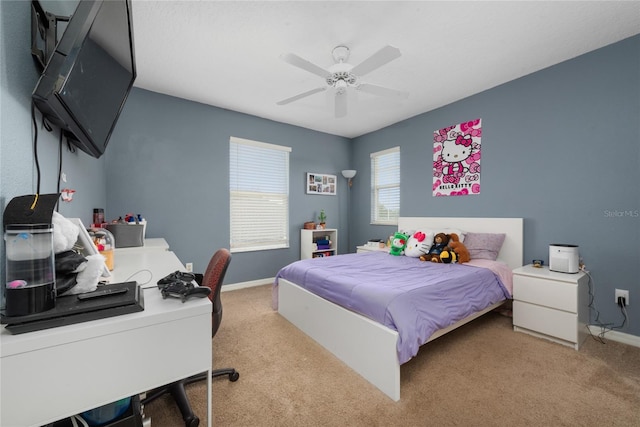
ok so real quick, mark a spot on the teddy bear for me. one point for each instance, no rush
(457, 247)
(440, 242)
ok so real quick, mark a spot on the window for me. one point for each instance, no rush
(385, 186)
(259, 195)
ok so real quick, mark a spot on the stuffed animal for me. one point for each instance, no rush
(417, 245)
(75, 273)
(65, 233)
(440, 242)
(398, 243)
(459, 249)
(448, 256)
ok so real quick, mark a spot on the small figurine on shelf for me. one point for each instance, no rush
(322, 217)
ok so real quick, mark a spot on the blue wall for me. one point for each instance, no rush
(169, 161)
(560, 149)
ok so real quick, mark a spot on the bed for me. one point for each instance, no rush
(373, 341)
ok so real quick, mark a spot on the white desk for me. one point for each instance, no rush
(54, 373)
(149, 244)
(145, 267)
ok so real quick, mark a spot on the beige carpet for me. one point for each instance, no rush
(482, 374)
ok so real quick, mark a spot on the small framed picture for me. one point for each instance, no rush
(321, 183)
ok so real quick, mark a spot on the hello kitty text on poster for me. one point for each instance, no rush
(456, 159)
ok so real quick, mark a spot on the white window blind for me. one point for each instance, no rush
(259, 195)
(385, 186)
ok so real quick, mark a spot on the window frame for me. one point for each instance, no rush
(376, 188)
(251, 221)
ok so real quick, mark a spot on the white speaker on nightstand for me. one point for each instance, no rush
(564, 258)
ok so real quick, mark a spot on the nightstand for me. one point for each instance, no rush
(551, 305)
(368, 248)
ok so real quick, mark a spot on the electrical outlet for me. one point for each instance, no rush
(189, 266)
(624, 294)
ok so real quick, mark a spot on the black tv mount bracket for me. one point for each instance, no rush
(44, 24)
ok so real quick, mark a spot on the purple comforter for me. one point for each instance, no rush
(405, 294)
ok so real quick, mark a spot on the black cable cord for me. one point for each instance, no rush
(623, 310)
(70, 147)
(59, 170)
(604, 327)
(35, 145)
(600, 336)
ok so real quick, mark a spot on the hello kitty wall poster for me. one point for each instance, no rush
(456, 159)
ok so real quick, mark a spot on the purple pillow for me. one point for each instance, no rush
(484, 245)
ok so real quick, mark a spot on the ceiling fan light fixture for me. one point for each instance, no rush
(343, 77)
(341, 86)
(338, 78)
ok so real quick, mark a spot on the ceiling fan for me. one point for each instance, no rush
(343, 76)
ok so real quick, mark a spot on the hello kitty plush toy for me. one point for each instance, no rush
(417, 245)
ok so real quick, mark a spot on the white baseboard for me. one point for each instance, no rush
(249, 284)
(620, 337)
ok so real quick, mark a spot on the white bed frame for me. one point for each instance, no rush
(366, 346)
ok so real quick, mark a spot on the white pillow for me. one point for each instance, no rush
(461, 233)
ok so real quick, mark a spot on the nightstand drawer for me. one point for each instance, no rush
(548, 293)
(548, 321)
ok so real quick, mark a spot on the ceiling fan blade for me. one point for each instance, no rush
(378, 59)
(382, 91)
(341, 105)
(301, 95)
(299, 62)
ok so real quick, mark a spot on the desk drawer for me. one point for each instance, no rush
(548, 293)
(548, 321)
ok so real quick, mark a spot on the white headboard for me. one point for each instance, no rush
(512, 250)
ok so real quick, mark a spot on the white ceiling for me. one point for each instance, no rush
(227, 53)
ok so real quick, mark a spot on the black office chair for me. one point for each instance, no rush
(212, 278)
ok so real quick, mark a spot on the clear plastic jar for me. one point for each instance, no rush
(30, 269)
(105, 242)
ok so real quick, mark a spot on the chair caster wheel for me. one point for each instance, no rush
(192, 422)
(234, 377)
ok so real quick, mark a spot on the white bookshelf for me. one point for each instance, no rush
(308, 239)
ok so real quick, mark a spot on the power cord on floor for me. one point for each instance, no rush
(604, 327)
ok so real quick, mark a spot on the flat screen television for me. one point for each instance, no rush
(88, 77)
